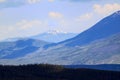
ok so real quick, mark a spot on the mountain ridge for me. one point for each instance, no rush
(54, 36)
(102, 29)
(19, 48)
(104, 51)
(98, 45)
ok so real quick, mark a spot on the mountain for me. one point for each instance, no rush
(54, 36)
(11, 39)
(106, 27)
(19, 48)
(98, 45)
(103, 51)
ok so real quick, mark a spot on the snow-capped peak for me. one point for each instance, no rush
(118, 12)
(55, 32)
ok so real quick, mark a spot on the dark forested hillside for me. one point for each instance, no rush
(54, 72)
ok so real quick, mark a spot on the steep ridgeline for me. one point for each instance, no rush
(19, 48)
(106, 27)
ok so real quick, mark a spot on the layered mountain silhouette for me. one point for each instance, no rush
(98, 45)
(104, 51)
(19, 48)
(51, 36)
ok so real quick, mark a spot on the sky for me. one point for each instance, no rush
(24, 18)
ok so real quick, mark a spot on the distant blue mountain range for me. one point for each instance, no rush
(19, 48)
(98, 45)
(54, 36)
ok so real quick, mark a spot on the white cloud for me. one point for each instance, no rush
(2, 1)
(23, 28)
(106, 9)
(55, 15)
(33, 1)
(24, 24)
(16, 3)
(98, 13)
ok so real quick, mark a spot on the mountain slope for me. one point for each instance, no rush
(104, 51)
(106, 27)
(19, 48)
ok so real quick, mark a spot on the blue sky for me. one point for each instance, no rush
(21, 18)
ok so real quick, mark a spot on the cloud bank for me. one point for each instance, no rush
(55, 15)
(16, 3)
(106, 9)
(22, 28)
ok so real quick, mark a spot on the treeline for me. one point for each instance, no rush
(54, 72)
